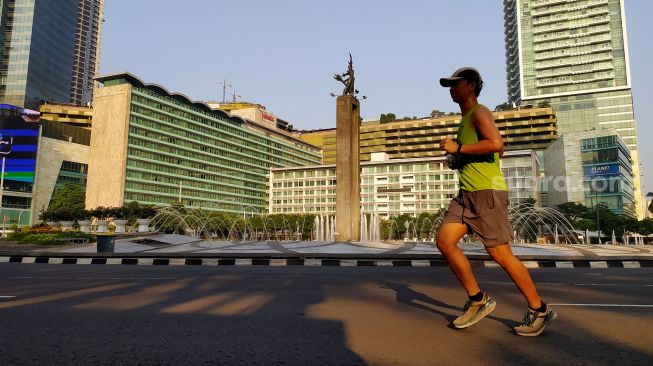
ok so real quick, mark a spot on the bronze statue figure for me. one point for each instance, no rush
(349, 82)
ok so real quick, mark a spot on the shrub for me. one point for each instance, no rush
(42, 236)
(100, 213)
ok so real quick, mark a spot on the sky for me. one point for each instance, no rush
(283, 53)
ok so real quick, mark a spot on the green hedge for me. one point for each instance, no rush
(48, 238)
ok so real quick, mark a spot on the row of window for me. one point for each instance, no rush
(205, 185)
(224, 176)
(211, 124)
(177, 147)
(173, 134)
(166, 193)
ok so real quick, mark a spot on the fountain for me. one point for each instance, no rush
(370, 230)
(533, 223)
(324, 228)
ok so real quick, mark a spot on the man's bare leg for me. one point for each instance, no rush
(503, 255)
(447, 243)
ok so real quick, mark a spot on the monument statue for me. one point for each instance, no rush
(349, 81)
(347, 222)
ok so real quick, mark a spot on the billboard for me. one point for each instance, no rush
(605, 169)
(18, 146)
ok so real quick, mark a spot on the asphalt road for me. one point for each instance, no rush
(161, 315)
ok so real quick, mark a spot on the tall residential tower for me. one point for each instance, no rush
(87, 50)
(573, 55)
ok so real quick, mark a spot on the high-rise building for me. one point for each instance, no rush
(522, 129)
(573, 56)
(87, 50)
(37, 38)
(48, 50)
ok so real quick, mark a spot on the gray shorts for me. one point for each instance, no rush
(485, 213)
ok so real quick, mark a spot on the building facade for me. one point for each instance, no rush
(573, 55)
(392, 187)
(49, 50)
(37, 38)
(532, 128)
(65, 113)
(591, 167)
(40, 157)
(157, 147)
(86, 62)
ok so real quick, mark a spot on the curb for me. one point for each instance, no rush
(316, 262)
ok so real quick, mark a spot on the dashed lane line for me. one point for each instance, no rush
(607, 305)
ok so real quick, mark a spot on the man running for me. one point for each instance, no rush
(481, 208)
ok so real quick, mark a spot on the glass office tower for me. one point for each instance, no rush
(573, 55)
(37, 39)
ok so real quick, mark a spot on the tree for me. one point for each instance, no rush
(436, 113)
(650, 205)
(387, 118)
(646, 227)
(573, 210)
(503, 107)
(584, 224)
(70, 196)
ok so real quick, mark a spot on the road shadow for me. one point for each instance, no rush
(408, 296)
(221, 317)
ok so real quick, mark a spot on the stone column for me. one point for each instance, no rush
(347, 168)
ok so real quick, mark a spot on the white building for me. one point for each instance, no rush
(392, 187)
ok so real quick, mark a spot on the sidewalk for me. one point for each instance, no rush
(178, 246)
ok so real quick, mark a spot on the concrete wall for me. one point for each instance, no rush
(108, 153)
(50, 156)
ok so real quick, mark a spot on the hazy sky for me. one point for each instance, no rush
(283, 53)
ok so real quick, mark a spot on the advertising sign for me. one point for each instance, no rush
(18, 145)
(606, 169)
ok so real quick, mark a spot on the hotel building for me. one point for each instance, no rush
(157, 147)
(522, 129)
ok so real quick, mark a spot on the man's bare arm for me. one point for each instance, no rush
(488, 133)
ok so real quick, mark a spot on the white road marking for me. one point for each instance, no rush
(608, 305)
(91, 278)
(572, 284)
(7, 297)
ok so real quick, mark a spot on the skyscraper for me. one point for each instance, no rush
(573, 55)
(48, 50)
(87, 50)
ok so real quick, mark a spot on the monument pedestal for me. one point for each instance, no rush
(347, 168)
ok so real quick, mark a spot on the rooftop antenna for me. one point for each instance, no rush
(235, 96)
(224, 89)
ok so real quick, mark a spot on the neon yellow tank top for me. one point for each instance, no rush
(479, 172)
